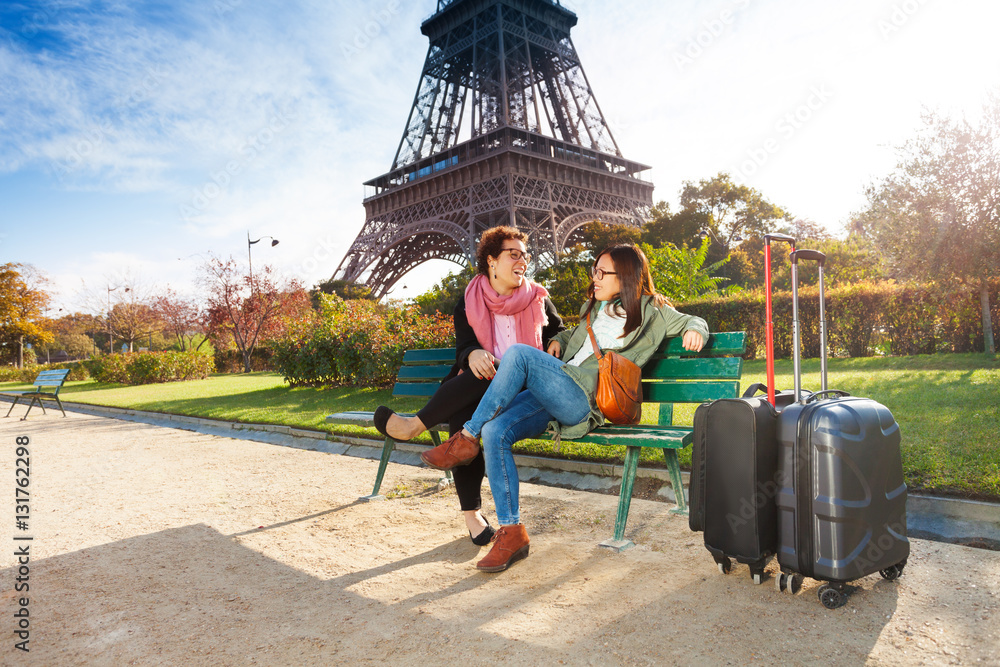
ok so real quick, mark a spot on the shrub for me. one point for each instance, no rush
(863, 319)
(78, 371)
(358, 343)
(231, 361)
(151, 367)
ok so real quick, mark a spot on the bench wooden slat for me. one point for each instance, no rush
(438, 355)
(55, 375)
(417, 373)
(725, 342)
(416, 389)
(48, 382)
(649, 435)
(688, 392)
(695, 368)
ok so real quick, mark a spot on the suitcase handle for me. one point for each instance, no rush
(812, 255)
(754, 388)
(815, 396)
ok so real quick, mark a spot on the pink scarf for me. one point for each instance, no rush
(525, 304)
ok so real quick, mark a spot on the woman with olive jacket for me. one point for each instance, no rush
(533, 390)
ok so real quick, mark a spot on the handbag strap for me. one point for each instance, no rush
(593, 339)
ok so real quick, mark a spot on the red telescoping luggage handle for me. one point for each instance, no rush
(768, 314)
(820, 259)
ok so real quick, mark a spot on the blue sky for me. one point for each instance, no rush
(136, 133)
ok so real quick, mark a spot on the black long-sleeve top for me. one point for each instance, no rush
(466, 341)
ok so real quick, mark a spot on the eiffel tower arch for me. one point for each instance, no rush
(504, 129)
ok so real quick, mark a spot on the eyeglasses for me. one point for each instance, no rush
(517, 255)
(600, 273)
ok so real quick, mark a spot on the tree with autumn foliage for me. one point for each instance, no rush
(23, 301)
(181, 318)
(246, 310)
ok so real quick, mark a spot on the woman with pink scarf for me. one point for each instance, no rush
(500, 308)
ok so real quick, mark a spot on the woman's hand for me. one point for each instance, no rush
(554, 348)
(693, 341)
(481, 363)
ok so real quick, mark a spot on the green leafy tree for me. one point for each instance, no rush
(937, 215)
(568, 280)
(598, 235)
(677, 228)
(731, 210)
(443, 297)
(345, 289)
(681, 274)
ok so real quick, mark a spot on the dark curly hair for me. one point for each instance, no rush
(491, 245)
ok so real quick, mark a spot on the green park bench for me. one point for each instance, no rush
(46, 385)
(673, 375)
(419, 377)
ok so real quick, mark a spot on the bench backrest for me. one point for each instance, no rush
(54, 379)
(675, 375)
(422, 371)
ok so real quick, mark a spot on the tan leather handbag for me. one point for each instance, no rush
(619, 385)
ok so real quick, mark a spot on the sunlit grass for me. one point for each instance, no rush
(948, 407)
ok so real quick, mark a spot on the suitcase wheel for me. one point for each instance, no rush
(893, 572)
(788, 583)
(725, 564)
(831, 597)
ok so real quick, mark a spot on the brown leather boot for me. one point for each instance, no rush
(455, 451)
(510, 545)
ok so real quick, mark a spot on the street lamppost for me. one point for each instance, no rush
(111, 345)
(250, 243)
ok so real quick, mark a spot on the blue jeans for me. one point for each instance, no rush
(507, 414)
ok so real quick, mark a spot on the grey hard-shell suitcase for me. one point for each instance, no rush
(842, 501)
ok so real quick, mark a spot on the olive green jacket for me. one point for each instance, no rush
(657, 324)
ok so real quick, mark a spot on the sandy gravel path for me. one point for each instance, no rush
(159, 546)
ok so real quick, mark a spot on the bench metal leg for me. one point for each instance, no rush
(387, 448)
(16, 399)
(60, 405)
(31, 405)
(619, 543)
(670, 455)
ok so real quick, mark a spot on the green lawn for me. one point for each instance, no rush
(948, 407)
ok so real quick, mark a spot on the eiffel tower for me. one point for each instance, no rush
(504, 129)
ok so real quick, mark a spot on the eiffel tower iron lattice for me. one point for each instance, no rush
(504, 129)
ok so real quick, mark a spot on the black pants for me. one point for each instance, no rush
(453, 403)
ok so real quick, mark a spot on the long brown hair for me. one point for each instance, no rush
(634, 282)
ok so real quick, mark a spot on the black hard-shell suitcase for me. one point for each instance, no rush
(842, 501)
(734, 460)
(734, 503)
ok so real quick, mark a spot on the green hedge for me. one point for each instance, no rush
(78, 371)
(863, 319)
(151, 367)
